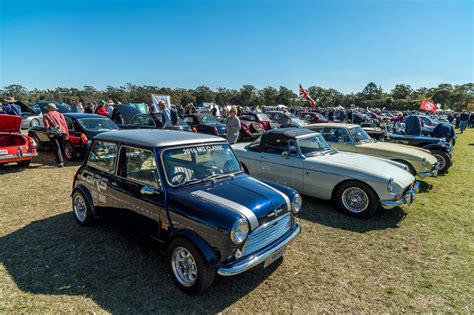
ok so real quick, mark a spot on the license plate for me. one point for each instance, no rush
(3, 151)
(274, 257)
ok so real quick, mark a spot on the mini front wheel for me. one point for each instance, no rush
(191, 272)
(82, 208)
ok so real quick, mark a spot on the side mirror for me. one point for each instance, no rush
(147, 190)
(284, 154)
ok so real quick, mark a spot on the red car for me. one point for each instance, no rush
(15, 147)
(254, 124)
(313, 117)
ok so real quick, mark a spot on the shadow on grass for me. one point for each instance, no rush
(424, 186)
(326, 213)
(45, 159)
(119, 269)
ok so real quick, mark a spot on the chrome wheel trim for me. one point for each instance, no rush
(34, 123)
(68, 150)
(355, 199)
(184, 266)
(80, 208)
(442, 161)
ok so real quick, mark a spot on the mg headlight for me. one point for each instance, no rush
(296, 203)
(391, 185)
(239, 231)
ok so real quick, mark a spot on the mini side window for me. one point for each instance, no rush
(103, 156)
(140, 166)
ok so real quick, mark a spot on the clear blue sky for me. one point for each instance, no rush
(228, 43)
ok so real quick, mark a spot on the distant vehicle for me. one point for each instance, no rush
(277, 116)
(254, 124)
(62, 108)
(154, 121)
(82, 129)
(313, 117)
(15, 147)
(210, 216)
(206, 123)
(30, 116)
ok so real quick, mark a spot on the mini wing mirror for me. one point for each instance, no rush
(147, 190)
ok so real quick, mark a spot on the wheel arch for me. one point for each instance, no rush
(87, 195)
(333, 193)
(208, 252)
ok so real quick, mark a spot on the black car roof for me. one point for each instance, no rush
(157, 137)
(83, 115)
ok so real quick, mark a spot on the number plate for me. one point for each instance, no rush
(274, 257)
(3, 151)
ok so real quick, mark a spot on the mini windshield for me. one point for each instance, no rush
(208, 119)
(359, 134)
(313, 145)
(97, 124)
(198, 163)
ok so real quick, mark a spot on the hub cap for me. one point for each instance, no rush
(80, 208)
(355, 199)
(184, 266)
(68, 150)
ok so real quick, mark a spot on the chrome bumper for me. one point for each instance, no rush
(258, 257)
(406, 200)
(433, 173)
(17, 156)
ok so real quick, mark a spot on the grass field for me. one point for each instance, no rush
(415, 259)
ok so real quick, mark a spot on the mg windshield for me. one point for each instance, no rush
(313, 145)
(198, 163)
(97, 124)
(359, 135)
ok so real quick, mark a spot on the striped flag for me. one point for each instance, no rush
(305, 95)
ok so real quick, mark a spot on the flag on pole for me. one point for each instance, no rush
(428, 105)
(305, 95)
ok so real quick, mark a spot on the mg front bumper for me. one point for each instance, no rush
(407, 198)
(433, 173)
(260, 256)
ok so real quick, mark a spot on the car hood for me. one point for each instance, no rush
(232, 198)
(353, 163)
(392, 150)
(10, 123)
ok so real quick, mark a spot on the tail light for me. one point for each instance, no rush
(31, 144)
(216, 132)
(84, 139)
(194, 130)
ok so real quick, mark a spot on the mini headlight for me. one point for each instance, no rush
(296, 203)
(239, 231)
(391, 184)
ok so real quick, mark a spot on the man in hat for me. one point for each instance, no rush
(233, 125)
(166, 115)
(10, 108)
(56, 120)
(101, 109)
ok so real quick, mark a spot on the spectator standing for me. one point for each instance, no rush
(463, 119)
(224, 111)
(89, 109)
(214, 111)
(167, 121)
(11, 108)
(233, 126)
(101, 109)
(285, 119)
(56, 129)
(117, 116)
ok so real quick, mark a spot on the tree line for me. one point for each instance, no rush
(401, 97)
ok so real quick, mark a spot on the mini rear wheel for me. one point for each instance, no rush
(82, 208)
(189, 268)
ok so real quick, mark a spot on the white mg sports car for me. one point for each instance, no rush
(303, 160)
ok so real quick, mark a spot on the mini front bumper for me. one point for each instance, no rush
(258, 257)
(407, 198)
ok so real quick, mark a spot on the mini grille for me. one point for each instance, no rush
(267, 234)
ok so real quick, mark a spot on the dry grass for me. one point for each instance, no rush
(416, 259)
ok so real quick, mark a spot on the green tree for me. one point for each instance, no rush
(401, 92)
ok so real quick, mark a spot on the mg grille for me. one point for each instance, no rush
(267, 234)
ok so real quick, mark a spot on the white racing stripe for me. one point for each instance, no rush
(246, 212)
(287, 200)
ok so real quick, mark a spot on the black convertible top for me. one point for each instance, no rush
(283, 133)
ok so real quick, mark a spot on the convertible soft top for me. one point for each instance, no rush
(283, 133)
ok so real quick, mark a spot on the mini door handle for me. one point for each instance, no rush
(114, 184)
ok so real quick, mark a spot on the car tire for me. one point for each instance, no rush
(34, 123)
(82, 208)
(23, 163)
(356, 199)
(443, 158)
(411, 169)
(69, 151)
(184, 249)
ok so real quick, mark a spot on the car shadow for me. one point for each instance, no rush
(119, 269)
(326, 212)
(424, 186)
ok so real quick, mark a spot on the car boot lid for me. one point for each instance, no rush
(10, 123)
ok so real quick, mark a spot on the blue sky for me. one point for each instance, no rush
(228, 43)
